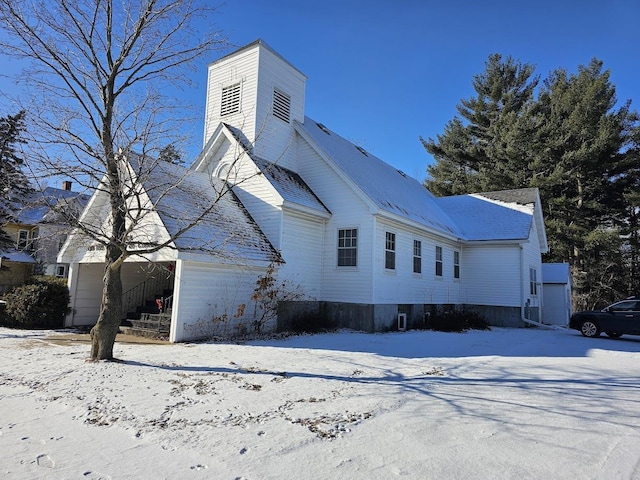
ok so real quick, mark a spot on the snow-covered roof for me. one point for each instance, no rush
(390, 189)
(290, 185)
(480, 219)
(180, 196)
(41, 205)
(556, 273)
(13, 255)
(520, 196)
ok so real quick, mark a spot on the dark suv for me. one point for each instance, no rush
(614, 320)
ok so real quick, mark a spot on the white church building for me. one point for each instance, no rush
(369, 246)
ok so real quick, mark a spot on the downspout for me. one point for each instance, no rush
(522, 295)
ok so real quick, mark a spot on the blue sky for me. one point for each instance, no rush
(382, 73)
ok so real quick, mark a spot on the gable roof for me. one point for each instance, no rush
(287, 183)
(387, 188)
(41, 206)
(520, 196)
(483, 220)
(181, 196)
(290, 185)
(558, 273)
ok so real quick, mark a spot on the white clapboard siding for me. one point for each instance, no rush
(302, 251)
(209, 300)
(274, 136)
(341, 284)
(493, 275)
(402, 284)
(532, 260)
(86, 296)
(243, 68)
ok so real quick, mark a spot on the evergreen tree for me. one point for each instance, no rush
(484, 150)
(575, 146)
(170, 154)
(14, 185)
(578, 149)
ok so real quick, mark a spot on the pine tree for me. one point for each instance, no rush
(578, 149)
(14, 185)
(170, 154)
(484, 149)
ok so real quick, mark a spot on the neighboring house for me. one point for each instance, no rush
(370, 246)
(556, 287)
(39, 230)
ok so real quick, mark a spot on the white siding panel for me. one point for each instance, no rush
(492, 275)
(275, 139)
(402, 285)
(241, 68)
(302, 250)
(340, 284)
(88, 294)
(205, 294)
(532, 259)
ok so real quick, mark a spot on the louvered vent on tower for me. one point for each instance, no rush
(281, 105)
(230, 102)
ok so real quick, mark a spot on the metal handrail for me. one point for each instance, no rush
(139, 294)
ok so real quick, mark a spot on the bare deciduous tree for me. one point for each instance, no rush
(101, 71)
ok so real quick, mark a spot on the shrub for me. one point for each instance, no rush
(311, 322)
(458, 322)
(42, 302)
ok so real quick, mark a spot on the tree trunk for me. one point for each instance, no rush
(103, 334)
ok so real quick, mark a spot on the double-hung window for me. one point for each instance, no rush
(417, 256)
(25, 240)
(438, 261)
(390, 251)
(533, 281)
(456, 264)
(348, 247)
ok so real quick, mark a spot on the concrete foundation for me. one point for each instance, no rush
(384, 318)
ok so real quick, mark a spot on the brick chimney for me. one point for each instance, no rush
(66, 185)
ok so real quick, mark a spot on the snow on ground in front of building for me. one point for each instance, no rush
(500, 404)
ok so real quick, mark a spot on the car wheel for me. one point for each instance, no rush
(613, 334)
(589, 329)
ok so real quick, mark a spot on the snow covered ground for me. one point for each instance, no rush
(500, 404)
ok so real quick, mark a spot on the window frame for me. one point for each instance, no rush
(390, 251)
(347, 243)
(533, 281)
(456, 264)
(24, 240)
(62, 274)
(417, 256)
(230, 99)
(281, 106)
(438, 264)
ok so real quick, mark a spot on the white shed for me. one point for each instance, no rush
(556, 288)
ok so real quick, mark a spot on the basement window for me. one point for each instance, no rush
(230, 102)
(281, 105)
